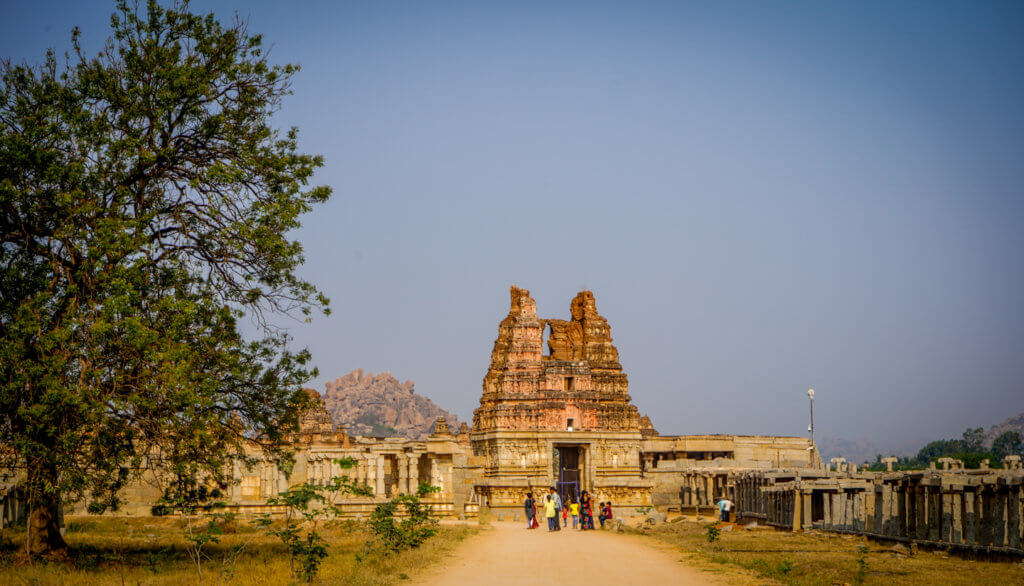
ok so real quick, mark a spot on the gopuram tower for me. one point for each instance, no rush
(559, 418)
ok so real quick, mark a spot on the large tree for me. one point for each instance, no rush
(145, 206)
(1007, 443)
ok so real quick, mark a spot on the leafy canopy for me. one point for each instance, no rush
(145, 203)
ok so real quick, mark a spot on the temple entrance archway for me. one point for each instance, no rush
(569, 466)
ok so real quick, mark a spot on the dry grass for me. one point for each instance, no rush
(824, 558)
(152, 551)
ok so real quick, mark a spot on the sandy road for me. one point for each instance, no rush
(508, 553)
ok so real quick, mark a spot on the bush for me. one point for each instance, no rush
(713, 532)
(393, 536)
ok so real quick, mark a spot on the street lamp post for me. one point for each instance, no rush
(810, 428)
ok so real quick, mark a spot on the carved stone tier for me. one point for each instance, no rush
(579, 384)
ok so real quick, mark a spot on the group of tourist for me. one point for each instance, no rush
(725, 507)
(581, 512)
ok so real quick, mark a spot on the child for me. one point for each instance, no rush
(549, 512)
(565, 516)
(606, 512)
(574, 510)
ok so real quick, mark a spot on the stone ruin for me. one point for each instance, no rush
(981, 511)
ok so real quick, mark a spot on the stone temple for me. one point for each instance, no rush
(557, 418)
(559, 415)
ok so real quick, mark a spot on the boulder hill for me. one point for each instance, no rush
(379, 405)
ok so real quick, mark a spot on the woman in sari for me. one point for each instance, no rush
(531, 511)
(586, 512)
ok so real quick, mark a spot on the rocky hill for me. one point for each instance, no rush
(379, 405)
(1015, 423)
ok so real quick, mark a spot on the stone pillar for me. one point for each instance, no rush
(970, 520)
(1014, 517)
(946, 530)
(906, 509)
(839, 510)
(337, 471)
(370, 465)
(807, 508)
(934, 514)
(982, 512)
(403, 474)
(956, 534)
(414, 473)
(882, 497)
(827, 502)
(360, 470)
(381, 473)
(999, 518)
(921, 508)
(860, 511)
(797, 520)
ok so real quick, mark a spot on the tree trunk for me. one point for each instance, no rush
(43, 537)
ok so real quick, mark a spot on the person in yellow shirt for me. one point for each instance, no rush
(549, 512)
(574, 512)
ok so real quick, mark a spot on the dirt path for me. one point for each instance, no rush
(508, 553)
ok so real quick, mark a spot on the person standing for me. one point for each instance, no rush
(727, 510)
(555, 498)
(530, 508)
(549, 512)
(586, 512)
(565, 514)
(574, 512)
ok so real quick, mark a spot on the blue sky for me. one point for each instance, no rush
(763, 196)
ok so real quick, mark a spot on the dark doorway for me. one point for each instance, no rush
(570, 472)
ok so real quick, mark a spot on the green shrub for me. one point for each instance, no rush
(418, 525)
(713, 533)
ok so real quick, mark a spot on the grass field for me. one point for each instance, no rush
(152, 551)
(825, 558)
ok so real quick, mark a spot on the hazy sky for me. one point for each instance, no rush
(763, 196)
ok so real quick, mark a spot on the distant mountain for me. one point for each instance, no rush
(379, 405)
(1015, 423)
(858, 450)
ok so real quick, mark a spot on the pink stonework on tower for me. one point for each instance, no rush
(579, 383)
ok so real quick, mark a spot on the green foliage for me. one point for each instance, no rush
(969, 449)
(784, 567)
(418, 524)
(712, 533)
(203, 521)
(306, 505)
(299, 532)
(145, 203)
(368, 418)
(974, 439)
(1007, 443)
(862, 565)
(425, 488)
